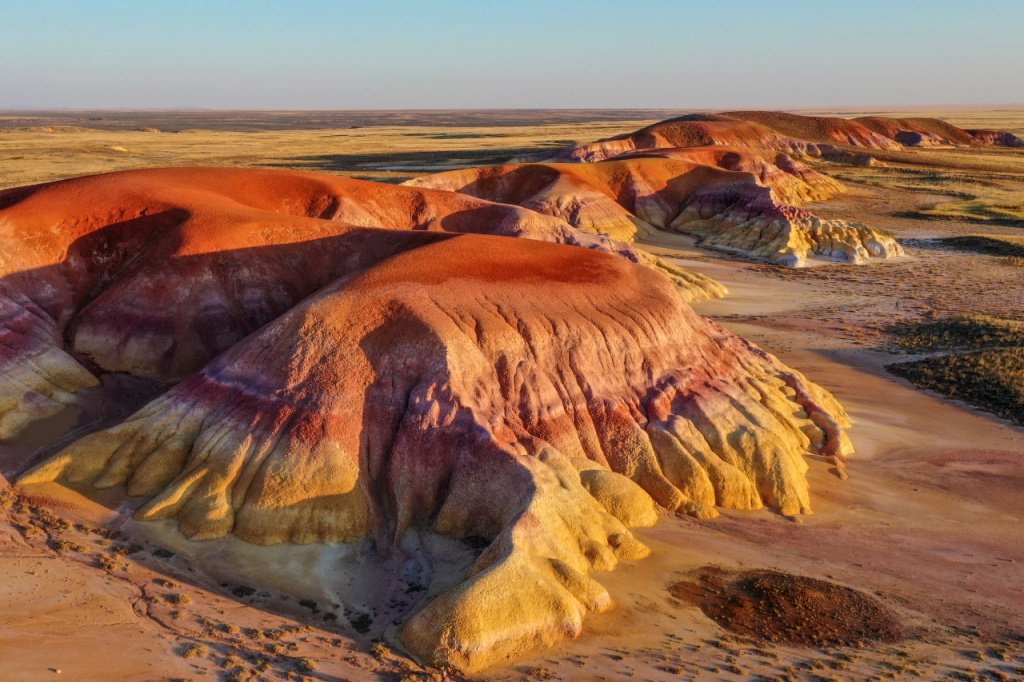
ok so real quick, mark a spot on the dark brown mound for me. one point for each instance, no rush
(788, 609)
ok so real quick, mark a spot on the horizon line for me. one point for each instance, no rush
(445, 109)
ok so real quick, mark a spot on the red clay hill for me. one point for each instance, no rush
(734, 181)
(828, 137)
(389, 367)
(731, 198)
(154, 272)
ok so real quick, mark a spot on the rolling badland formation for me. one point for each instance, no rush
(477, 353)
(663, 177)
(84, 257)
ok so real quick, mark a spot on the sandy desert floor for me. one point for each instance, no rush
(929, 520)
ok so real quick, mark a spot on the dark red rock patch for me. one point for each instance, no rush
(788, 609)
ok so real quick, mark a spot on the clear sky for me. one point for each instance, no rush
(338, 54)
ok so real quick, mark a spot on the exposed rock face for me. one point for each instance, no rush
(475, 385)
(809, 136)
(628, 198)
(931, 132)
(817, 137)
(821, 129)
(750, 220)
(694, 130)
(155, 272)
(917, 132)
(765, 145)
(624, 199)
(792, 182)
(997, 138)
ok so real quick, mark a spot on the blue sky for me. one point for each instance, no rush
(509, 53)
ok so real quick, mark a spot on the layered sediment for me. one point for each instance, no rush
(816, 137)
(153, 273)
(541, 396)
(690, 192)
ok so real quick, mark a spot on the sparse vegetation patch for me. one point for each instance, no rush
(978, 359)
(194, 651)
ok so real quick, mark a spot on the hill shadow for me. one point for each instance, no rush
(425, 161)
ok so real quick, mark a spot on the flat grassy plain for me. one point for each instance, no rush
(980, 186)
(388, 148)
(394, 146)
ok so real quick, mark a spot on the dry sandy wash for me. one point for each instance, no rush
(267, 361)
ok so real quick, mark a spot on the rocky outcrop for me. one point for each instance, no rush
(997, 138)
(751, 221)
(917, 132)
(816, 137)
(624, 199)
(628, 198)
(934, 132)
(540, 396)
(791, 181)
(153, 273)
(694, 130)
(821, 129)
(811, 136)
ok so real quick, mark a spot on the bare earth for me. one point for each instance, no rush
(929, 521)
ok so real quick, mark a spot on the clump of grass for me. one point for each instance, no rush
(194, 650)
(50, 521)
(240, 674)
(979, 360)
(232, 661)
(112, 563)
(305, 665)
(179, 599)
(28, 531)
(68, 546)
